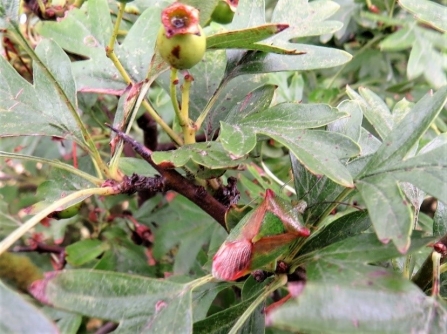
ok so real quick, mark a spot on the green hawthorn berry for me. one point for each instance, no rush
(69, 212)
(181, 41)
(223, 13)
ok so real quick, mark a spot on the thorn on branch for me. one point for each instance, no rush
(140, 149)
(170, 180)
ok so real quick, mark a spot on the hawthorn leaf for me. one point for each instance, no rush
(141, 303)
(238, 140)
(419, 57)
(428, 12)
(68, 323)
(426, 56)
(389, 211)
(337, 305)
(313, 57)
(203, 297)
(317, 192)
(20, 316)
(54, 163)
(9, 12)
(350, 126)
(84, 251)
(292, 116)
(425, 59)
(254, 102)
(171, 317)
(393, 162)
(440, 220)
(61, 184)
(230, 94)
(344, 227)
(248, 14)
(44, 108)
(283, 123)
(8, 222)
(136, 165)
(374, 109)
(400, 109)
(346, 14)
(378, 182)
(185, 225)
(429, 167)
(86, 32)
(306, 19)
(399, 40)
(365, 248)
(247, 38)
(239, 137)
(123, 255)
(408, 131)
(209, 154)
(321, 152)
(369, 144)
(222, 322)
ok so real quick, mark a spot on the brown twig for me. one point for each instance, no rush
(150, 139)
(40, 247)
(106, 328)
(172, 180)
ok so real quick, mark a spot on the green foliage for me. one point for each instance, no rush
(337, 103)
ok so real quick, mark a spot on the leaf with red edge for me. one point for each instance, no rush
(137, 303)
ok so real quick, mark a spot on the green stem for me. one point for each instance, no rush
(339, 199)
(162, 123)
(110, 48)
(189, 132)
(41, 7)
(173, 81)
(277, 283)
(436, 258)
(119, 17)
(200, 281)
(276, 179)
(116, 62)
(141, 101)
(408, 267)
(391, 13)
(207, 109)
(29, 224)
